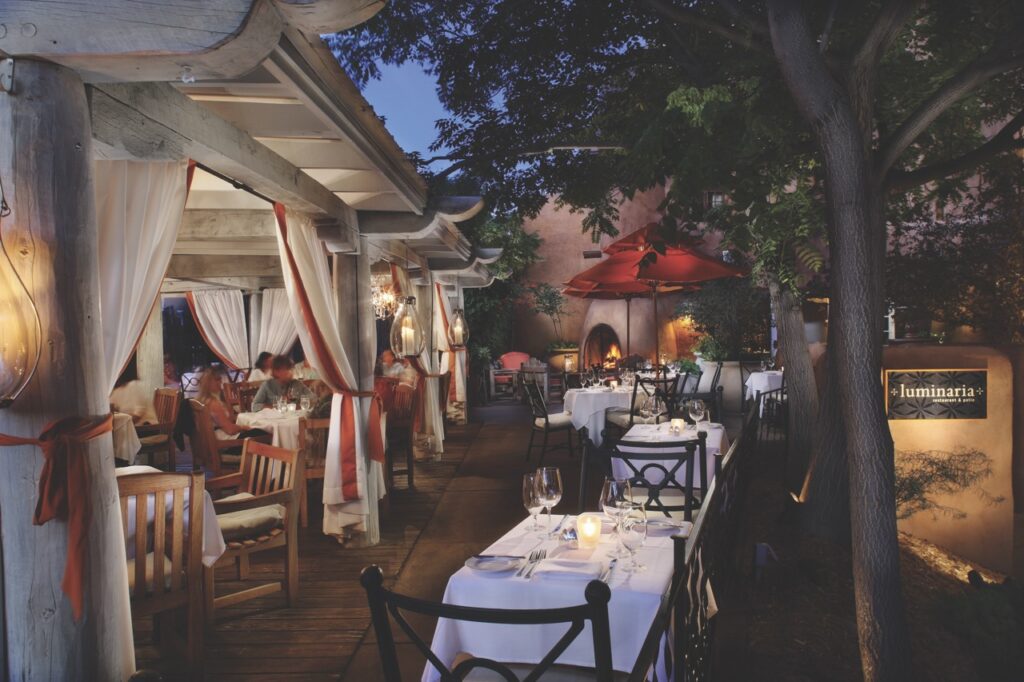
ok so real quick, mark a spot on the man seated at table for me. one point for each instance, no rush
(281, 384)
(133, 397)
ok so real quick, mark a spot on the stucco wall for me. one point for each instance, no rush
(561, 257)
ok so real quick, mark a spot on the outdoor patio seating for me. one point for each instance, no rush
(159, 437)
(262, 515)
(545, 423)
(401, 420)
(503, 379)
(313, 448)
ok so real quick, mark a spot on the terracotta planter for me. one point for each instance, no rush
(556, 358)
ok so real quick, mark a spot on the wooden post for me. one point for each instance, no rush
(149, 356)
(51, 235)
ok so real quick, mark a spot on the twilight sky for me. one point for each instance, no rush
(406, 97)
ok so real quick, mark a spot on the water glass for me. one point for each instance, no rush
(280, 405)
(633, 534)
(548, 484)
(305, 403)
(614, 493)
(697, 410)
(531, 502)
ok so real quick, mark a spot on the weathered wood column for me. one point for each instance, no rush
(149, 356)
(354, 299)
(51, 235)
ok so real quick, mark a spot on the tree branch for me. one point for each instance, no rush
(963, 83)
(692, 18)
(864, 66)
(1001, 142)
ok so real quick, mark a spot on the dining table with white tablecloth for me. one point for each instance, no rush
(125, 437)
(717, 442)
(587, 407)
(213, 540)
(282, 425)
(762, 382)
(635, 600)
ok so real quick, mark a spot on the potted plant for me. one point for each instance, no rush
(549, 300)
(557, 352)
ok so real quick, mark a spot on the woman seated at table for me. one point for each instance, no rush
(131, 396)
(261, 370)
(281, 384)
(224, 426)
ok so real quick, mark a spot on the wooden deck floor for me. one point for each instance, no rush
(459, 506)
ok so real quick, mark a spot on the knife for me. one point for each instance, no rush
(559, 526)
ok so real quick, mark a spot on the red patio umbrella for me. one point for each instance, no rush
(637, 268)
(624, 292)
(649, 235)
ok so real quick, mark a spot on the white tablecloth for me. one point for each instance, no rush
(718, 441)
(213, 539)
(762, 382)
(587, 406)
(283, 425)
(634, 603)
(126, 439)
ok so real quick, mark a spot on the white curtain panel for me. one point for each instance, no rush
(442, 318)
(314, 276)
(138, 211)
(433, 420)
(220, 314)
(276, 332)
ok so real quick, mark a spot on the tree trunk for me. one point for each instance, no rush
(852, 203)
(51, 235)
(802, 392)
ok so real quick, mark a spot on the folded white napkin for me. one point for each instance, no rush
(569, 569)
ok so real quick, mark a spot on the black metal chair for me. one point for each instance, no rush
(712, 397)
(542, 422)
(666, 458)
(623, 420)
(772, 416)
(386, 605)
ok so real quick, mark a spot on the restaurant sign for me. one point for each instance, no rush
(936, 393)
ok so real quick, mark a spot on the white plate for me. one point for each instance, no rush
(664, 526)
(494, 564)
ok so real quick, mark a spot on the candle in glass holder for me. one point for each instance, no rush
(614, 384)
(678, 425)
(588, 530)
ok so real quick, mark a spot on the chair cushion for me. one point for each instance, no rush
(555, 421)
(168, 567)
(620, 419)
(249, 523)
(150, 441)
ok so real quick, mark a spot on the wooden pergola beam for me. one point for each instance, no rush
(195, 266)
(155, 121)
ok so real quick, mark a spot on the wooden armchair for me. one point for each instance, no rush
(229, 390)
(208, 450)
(246, 393)
(313, 448)
(262, 515)
(165, 573)
(400, 427)
(159, 437)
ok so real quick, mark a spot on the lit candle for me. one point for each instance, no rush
(408, 337)
(678, 425)
(457, 332)
(588, 530)
(614, 384)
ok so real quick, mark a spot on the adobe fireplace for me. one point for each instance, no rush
(601, 347)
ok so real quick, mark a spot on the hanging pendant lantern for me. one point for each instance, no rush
(458, 330)
(20, 332)
(407, 338)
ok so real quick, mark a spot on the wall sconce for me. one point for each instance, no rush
(406, 333)
(20, 330)
(458, 330)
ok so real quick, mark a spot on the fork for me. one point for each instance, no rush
(542, 554)
(529, 562)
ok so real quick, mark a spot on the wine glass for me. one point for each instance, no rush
(615, 492)
(305, 403)
(548, 483)
(697, 410)
(633, 533)
(280, 404)
(656, 406)
(531, 501)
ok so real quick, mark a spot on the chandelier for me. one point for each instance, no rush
(383, 296)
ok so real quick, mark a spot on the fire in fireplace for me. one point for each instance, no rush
(601, 347)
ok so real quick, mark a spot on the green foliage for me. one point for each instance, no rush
(549, 300)
(923, 475)
(733, 315)
(968, 269)
(685, 365)
(562, 345)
